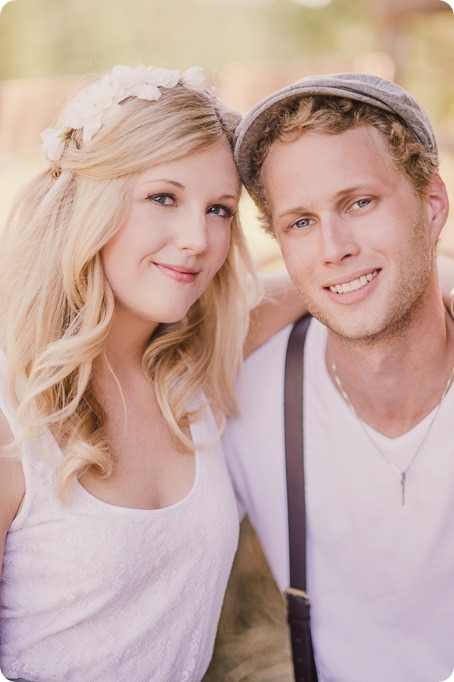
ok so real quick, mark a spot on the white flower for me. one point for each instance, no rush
(143, 81)
(92, 107)
(53, 143)
(125, 78)
(194, 78)
(95, 105)
(147, 91)
(163, 78)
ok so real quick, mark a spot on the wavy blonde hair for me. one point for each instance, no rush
(55, 303)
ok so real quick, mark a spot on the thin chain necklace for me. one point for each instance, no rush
(402, 474)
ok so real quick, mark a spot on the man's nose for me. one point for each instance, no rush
(336, 240)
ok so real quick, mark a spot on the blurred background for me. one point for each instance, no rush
(248, 48)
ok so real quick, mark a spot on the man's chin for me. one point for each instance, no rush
(349, 326)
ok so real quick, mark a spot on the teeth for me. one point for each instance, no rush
(354, 284)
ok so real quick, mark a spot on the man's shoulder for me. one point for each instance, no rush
(264, 370)
(270, 351)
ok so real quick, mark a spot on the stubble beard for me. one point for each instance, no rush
(403, 304)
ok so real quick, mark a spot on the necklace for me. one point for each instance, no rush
(402, 474)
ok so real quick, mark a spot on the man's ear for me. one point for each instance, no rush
(437, 205)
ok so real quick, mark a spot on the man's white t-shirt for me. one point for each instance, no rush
(380, 574)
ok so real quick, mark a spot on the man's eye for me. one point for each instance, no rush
(361, 203)
(302, 223)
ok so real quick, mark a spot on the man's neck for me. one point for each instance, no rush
(395, 380)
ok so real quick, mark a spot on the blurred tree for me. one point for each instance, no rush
(46, 37)
(50, 37)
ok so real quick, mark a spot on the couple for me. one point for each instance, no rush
(125, 291)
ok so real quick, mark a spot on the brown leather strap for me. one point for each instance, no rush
(298, 604)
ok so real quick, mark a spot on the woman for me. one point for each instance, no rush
(123, 314)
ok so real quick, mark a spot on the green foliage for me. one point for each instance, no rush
(429, 59)
(47, 37)
(56, 37)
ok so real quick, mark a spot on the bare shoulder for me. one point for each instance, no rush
(12, 483)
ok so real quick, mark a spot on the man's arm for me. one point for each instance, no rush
(280, 306)
(445, 266)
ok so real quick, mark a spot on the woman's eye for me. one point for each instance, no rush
(221, 211)
(163, 199)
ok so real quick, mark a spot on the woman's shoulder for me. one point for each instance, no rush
(12, 482)
(7, 406)
(6, 436)
(2, 362)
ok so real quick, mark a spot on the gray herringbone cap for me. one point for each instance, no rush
(363, 87)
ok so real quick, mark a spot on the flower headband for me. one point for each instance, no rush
(96, 105)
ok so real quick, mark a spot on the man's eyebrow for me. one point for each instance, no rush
(363, 187)
(292, 211)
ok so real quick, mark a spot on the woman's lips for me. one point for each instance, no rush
(179, 273)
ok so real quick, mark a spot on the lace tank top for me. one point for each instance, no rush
(95, 592)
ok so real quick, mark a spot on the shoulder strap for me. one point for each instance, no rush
(298, 605)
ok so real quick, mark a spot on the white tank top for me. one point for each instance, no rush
(93, 592)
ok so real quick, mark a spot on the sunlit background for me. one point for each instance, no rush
(248, 47)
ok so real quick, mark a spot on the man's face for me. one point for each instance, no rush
(356, 239)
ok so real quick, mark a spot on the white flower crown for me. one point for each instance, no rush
(95, 105)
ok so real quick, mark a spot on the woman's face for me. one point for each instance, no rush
(175, 237)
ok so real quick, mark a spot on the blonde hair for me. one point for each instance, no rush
(56, 305)
(333, 115)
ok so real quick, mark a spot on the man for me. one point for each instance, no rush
(344, 169)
